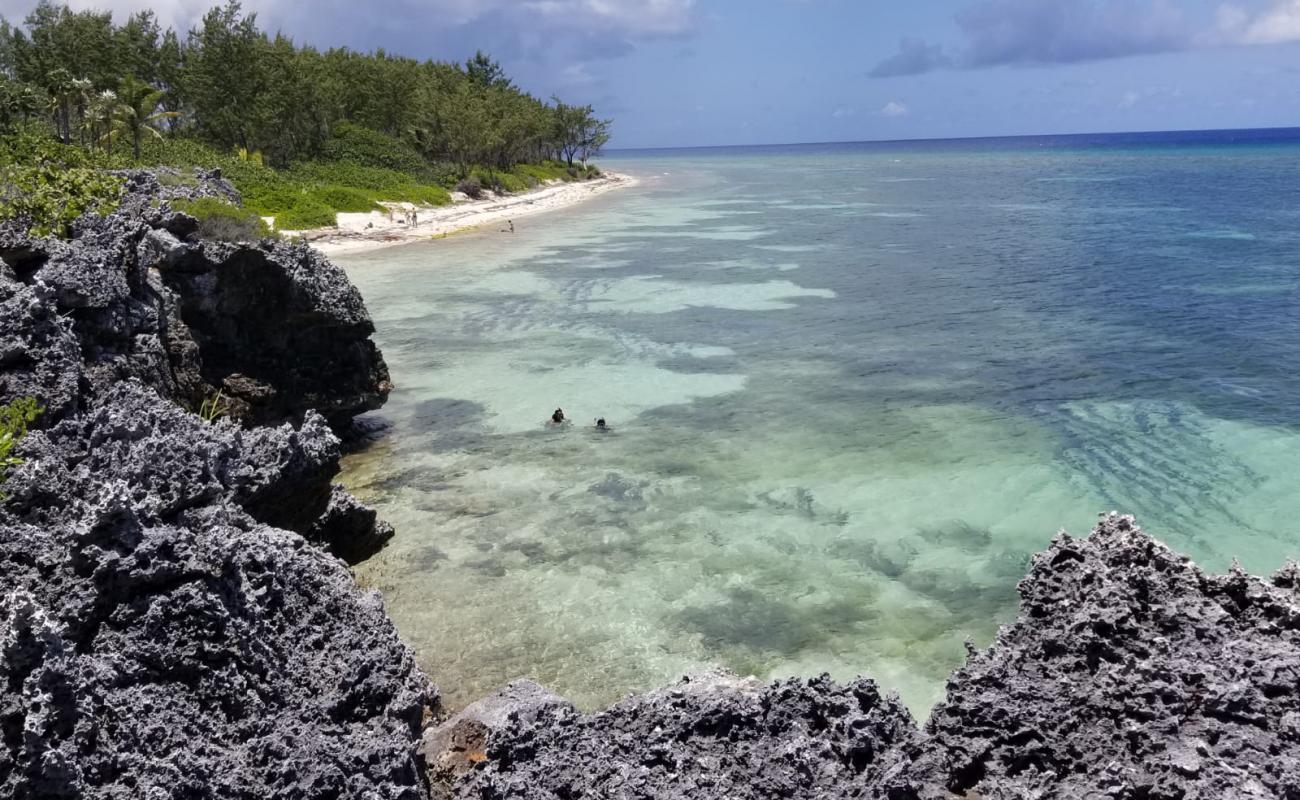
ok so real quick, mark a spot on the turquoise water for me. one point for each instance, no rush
(853, 389)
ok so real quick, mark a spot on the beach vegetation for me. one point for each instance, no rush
(224, 221)
(309, 212)
(46, 186)
(300, 131)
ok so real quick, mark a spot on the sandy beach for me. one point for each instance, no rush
(376, 229)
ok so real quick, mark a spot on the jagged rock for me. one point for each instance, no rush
(349, 529)
(210, 657)
(1130, 673)
(274, 326)
(171, 460)
(453, 748)
(278, 329)
(162, 633)
(39, 352)
(709, 736)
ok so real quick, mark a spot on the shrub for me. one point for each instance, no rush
(15, 418)
(343, 198)
(305, 214)
(49, 188)
(470, 187)
(359, 145)
(222, 221)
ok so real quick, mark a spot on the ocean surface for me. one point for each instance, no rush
(853, 388)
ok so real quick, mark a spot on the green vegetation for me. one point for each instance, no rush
(303, 133)
(214, 408)
(49, 185)
(223, 221)
(15, 418)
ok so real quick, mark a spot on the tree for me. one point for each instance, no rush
(63, 90)
(230, 85)
(19, 102)
(137, 43)
(462, 122)
(225, 74)
(577, 132)
(100, 120)
(171, 74)
(487, 73)
(595, 135)
(138, 111)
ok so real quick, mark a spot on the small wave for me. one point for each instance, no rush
(1226, 234)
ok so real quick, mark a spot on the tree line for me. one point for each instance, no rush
(226, 82)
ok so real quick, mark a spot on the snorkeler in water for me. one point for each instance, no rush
(558, 417)
(601, 426)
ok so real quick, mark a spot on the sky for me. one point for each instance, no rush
(715, 72)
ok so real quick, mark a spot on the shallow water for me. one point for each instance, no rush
(852, 392)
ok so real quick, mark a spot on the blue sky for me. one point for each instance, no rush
(705, 72)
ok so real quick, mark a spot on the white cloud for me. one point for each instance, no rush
(841, 113)
(894, 109)
(1275, 25)
(1130, 99)
(624, 18)
(629, 17)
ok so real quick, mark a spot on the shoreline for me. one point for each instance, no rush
(352, 234)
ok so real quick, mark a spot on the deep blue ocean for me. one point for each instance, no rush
(854, 387)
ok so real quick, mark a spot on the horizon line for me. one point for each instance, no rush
(953, 138)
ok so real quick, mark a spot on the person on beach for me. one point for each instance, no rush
(558, 417)
(511, 223)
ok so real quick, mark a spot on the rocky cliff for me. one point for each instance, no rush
(165, 628)
(261, 332)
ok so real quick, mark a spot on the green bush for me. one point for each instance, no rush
(50, 185)
(15, 418)
(224, 222)
(306, 214)
(355, 144)
(343, 198)
(502, 182)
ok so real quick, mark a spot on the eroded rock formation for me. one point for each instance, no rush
(265, 333)
(165, 630)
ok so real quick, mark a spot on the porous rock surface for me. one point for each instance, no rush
(265, 332)
(1129, 674)
(274, 326)
(164, 632)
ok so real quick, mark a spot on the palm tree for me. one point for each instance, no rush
(80, 94)
(63, 90)
(101, 113)
(137, 111)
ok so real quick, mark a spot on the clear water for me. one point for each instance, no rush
(853, 388)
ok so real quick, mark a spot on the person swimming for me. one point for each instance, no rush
(558, 417)
(601, 426)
